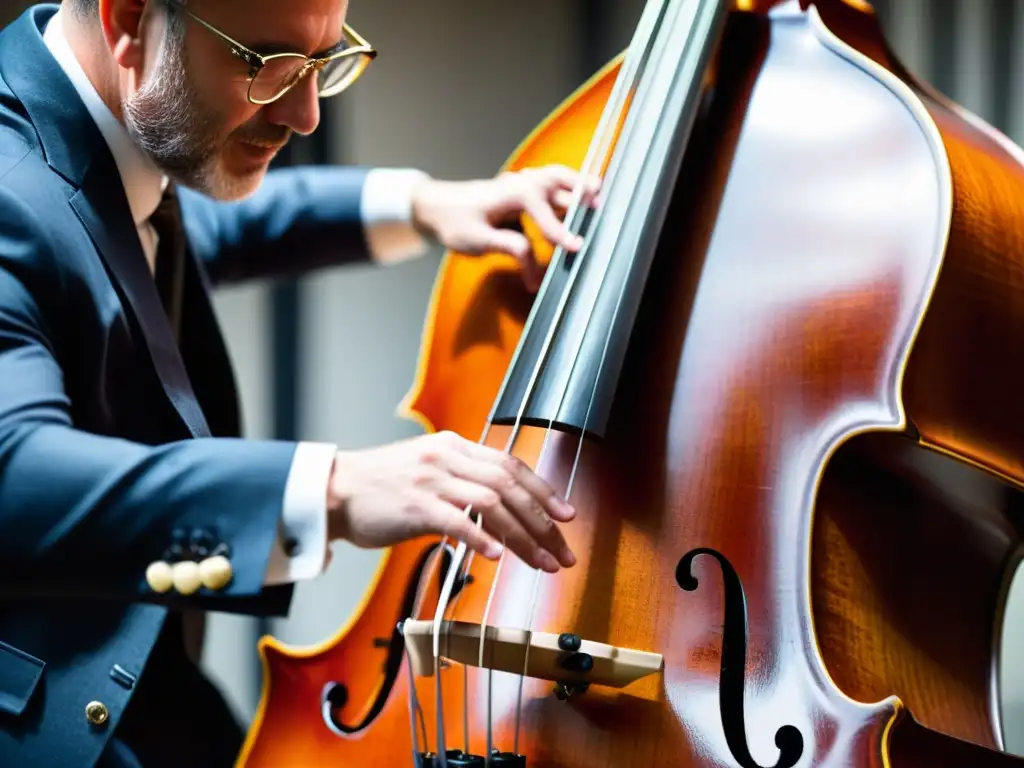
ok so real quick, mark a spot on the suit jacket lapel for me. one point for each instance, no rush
(110, 225)
(74, 148)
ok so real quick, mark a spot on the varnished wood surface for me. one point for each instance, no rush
(962, 386)
(910, 559)
(798, 260)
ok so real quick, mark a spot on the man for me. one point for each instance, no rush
(126, 495)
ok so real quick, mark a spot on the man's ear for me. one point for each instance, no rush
(121, 22)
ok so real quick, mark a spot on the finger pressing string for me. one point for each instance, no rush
(498, 470)
(499, 520)
(563, 176)
(449, 520)
(562, 199)
(538, 207)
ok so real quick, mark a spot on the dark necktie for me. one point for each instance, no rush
(170, 279)
(170, 257)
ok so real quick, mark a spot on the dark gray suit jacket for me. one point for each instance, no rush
(113, 443)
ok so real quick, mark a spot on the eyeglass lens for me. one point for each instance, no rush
(282, 72)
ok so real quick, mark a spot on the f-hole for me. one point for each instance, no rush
(731, 682)
(334, 694)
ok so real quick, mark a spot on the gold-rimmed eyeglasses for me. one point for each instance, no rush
(271, 76)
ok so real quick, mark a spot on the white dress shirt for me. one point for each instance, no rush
(385, 208)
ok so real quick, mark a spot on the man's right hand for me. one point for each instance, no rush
(381, 496)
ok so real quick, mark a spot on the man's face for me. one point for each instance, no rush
(191, 113)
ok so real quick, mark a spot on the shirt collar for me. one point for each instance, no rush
(143, 182)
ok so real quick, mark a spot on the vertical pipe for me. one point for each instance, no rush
(940, 29)
(974, 59)
(909, 33)
(593, 26)
(1009, 66)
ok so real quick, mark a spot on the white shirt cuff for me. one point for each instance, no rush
(386, 212)
(300, 549)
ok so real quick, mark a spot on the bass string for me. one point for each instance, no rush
(458, 568)
(572, 477)
(642, 95)
(428, 579)
(461, 557)
(598, 152)
(415, 709)
(615, 106)
(466, 558)
(465, 569)
(443, 602)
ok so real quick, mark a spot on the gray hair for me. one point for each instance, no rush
(161, 116)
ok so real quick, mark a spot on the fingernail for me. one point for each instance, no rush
(568, 557)
(570, 510)
(494, 550)
(547, 562)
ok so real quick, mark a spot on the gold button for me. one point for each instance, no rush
(215, 572)
(186, 577)
(159, 577)
(96, 713)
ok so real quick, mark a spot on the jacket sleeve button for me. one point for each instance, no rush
(186, 577)
(96, 713)
(159, 576)
(215, 572)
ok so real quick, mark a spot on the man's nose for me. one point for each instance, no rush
(299, 108)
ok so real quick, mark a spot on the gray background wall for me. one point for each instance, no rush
(457, 85)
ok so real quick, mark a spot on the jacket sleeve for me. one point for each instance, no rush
(300, 219)
(82, 513)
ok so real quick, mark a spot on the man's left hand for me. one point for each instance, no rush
(476, 217)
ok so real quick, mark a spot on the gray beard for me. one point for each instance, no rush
(164, 119)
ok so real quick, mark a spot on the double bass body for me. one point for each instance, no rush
(801, 492)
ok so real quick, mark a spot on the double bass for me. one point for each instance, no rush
(777, 383)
